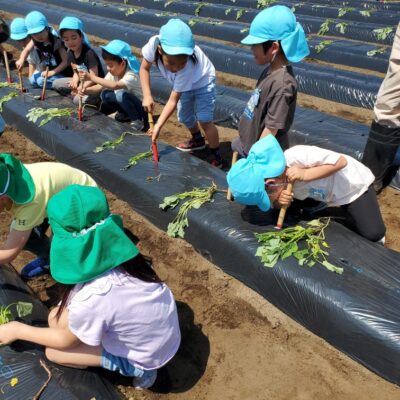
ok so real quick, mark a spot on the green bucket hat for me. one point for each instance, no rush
(15, 180)
(87, 240)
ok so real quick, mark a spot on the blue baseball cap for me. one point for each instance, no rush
(18, 30)
(73, 24)
(176, 38)
(35, 22)
(122, 49)
(2, 125)
(279, 23)
(246, 177)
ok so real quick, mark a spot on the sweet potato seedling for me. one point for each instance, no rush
(21, 307)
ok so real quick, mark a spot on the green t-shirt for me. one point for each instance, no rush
(49, 178)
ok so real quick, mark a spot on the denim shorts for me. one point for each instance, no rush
(197, 105)
(123, 366)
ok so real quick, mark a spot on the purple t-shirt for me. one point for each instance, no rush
(129, 317)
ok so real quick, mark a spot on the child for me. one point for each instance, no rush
(80, 54)
(320, 174)
(25, 191)
(115, 312)
(49, 49)
(19, 33)
(120, 90)
(192, 77)
(276, 39)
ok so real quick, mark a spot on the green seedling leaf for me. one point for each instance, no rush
(265, 3)
(8, 85)
(244, 30)
(383, 33)
(380, 50)
(7, 98)
(342, 26)
(111, 144)
(169, 2)
(322, 45)
(228, 10)
(332, 267)
(131, 10)
(24, 309)
(48, 114)
(199, 7)
(240, 13)
(324, 28)
(366, 13)
(344, 10)
(167, 14)
(135, 159)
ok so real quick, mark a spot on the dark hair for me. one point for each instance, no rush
(107, 56)
(78, 31)
(268, 44)
(158, 57)
(139, 267)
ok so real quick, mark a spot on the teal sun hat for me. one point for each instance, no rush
(246, 177)
(176, 38)
(18, 30)
(74, 24)
(122, 49)
(279, 23)
(35, 22)
(15, 180)
(87, 240)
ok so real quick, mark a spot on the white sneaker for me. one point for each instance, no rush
(145, 381)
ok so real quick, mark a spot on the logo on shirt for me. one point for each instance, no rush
(21, 222)
(252, 104)
(317, 194)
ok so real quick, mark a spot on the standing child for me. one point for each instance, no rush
(80, 56)
(276, 39)
(120, 89)
(316, 173)
(115, 312)
(192, 77)
(19, 33)
(49, 49)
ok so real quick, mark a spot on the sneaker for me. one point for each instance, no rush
(137, 125)
(122, 117)
(192, 145)
(35, 268)
(146, 381)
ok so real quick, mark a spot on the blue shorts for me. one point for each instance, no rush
(197, 105)
(123, 366)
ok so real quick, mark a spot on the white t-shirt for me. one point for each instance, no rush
(34, 59)
(129, 317)
(131, 81)
(342, 187)
(191, 77)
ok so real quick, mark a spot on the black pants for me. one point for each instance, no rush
(38, 242)
(364, 216)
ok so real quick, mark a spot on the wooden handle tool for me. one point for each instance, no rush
(282, 213)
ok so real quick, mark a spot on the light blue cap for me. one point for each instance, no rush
(2, 125)
(35, 22)
(176, 38)
(18, 30)
(73, 24)
(246, 177)
(122, 49)
(279, 23)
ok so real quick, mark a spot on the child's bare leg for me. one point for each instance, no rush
(211, 132)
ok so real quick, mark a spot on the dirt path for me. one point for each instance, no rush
(235, 344)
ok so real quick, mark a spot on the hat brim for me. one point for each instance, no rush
(175, 51)
(250, 40)
(37, 29)
(261, 200)
(20, 36)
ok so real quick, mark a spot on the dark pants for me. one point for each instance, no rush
(124, 102)
(38, 242)
(364, 216)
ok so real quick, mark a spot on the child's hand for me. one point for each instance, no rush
(154, 133)
(148, 104)
(8, 332)
(295, 174)
(19, 63)
(73, 84)
(285, 198)
(81, 91)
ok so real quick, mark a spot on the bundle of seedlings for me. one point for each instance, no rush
(306, 243)
(48, 114)
(6, 98)
(21, 307)
(195, 199)
(135, 159)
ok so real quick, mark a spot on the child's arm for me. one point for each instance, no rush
(31, 70)
(165, 114)
(24, 55)
(313, 173)
(144, 74)
(104, 83)
(63, 64)
(268, 131)
(56, 338)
